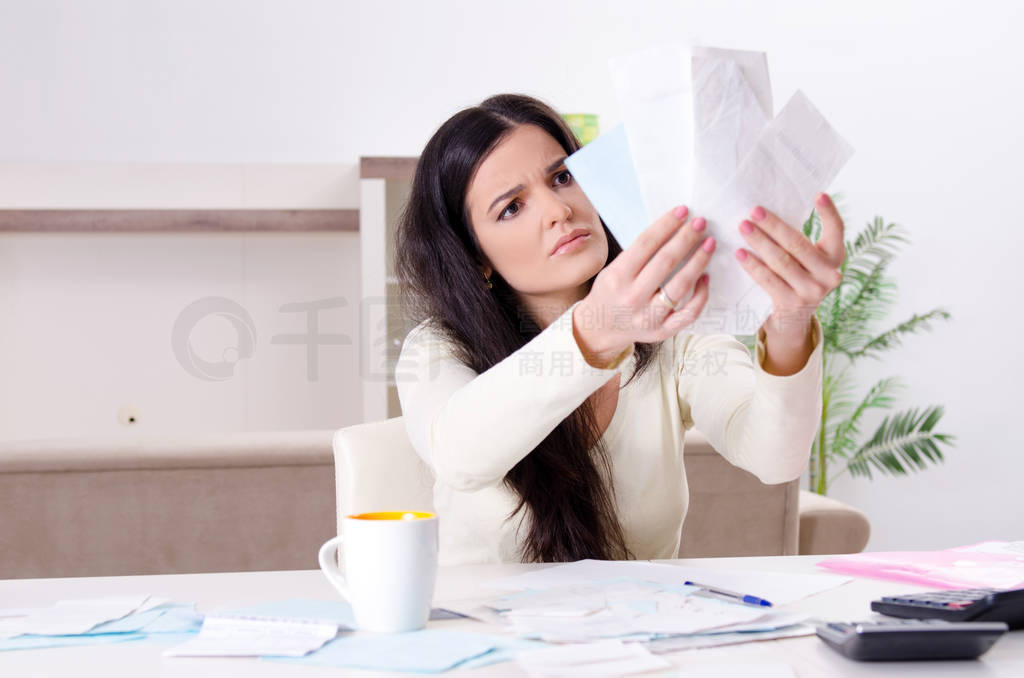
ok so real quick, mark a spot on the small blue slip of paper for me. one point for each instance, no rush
(604, 170)
(169, 622)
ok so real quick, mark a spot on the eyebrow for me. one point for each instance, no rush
(515, 189)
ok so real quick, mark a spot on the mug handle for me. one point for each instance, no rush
(329, 565)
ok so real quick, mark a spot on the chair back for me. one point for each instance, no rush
(731, 513)
(377, 469)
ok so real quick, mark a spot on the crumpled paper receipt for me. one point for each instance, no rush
(698, 130)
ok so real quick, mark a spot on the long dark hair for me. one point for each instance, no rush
(438, 260)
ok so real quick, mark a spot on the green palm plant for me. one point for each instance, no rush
(906, 440)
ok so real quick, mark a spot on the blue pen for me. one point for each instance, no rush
(741, 597)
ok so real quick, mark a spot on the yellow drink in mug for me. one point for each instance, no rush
(390, 566)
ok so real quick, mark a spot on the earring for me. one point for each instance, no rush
(487, 281)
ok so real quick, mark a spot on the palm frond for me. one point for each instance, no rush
(838, 393)
(878, 240)
(870, 304)
(812, 227)
(903, 443)
(893, 337)
(867, 257)
(879, 396)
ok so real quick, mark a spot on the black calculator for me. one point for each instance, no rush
(964, 605)
(908, 639)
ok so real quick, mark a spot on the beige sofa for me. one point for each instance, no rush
(266, 501)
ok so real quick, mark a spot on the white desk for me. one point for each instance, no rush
(808, 656)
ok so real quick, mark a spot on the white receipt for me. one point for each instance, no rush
(778, 587)
(698, 130)
(590, 660)
(232, 636)
(796, 156)
(69, 617)
(655, 94)
(732, 103)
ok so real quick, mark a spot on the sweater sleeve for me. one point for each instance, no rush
(761, 422)
(470, 428)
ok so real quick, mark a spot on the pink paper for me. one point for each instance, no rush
(963, 567)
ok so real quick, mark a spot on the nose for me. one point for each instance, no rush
(556, 209)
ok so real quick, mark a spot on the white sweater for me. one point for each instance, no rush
(471, 429)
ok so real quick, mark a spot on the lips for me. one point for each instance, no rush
(569, 237)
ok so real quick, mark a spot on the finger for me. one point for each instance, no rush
(775, 286)
(811, 258)
(832, 231)
(664, 261)
(782, 263)
(647, 243)
(690, 311)
(684, 279)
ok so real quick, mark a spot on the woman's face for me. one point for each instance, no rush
(533, 223)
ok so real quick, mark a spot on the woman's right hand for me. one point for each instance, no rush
(625, 305)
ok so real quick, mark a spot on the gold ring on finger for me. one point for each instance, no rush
(667, 300)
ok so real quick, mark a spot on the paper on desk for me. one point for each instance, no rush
(703, 640)
(168, 622)
(230, 636)
(337, 611)
(625, 607)
(778, 587)
(69, 617)
(590, 660)
(655, 96)
(169, 618)
(797, 155)
(425, 651)
(40, 642)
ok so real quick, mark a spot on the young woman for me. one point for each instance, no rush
(547, 383)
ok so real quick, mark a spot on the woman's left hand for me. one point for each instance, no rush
(796, 273)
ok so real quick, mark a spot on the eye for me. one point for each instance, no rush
(510, 211)
(563, 178)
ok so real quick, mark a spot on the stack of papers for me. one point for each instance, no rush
(777, 587)
(97, 620)
(425, 651)
(592, 600)
(698, 129)
(627, 608)
(68, 617)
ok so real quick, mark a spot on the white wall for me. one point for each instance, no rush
(927, 92)
(90, 318)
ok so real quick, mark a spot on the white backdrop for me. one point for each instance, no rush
(928, 93)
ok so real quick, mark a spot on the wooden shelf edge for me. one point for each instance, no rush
(387, 167)
(178, 221)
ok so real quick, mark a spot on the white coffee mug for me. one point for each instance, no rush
(390, 562)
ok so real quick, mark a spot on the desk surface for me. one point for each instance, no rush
(807, 656)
